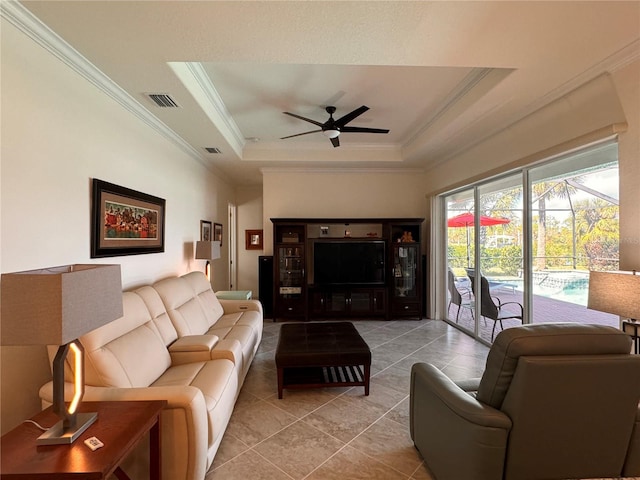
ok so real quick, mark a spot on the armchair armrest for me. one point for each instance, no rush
(233, 306)
(446, 421)
(469, 385)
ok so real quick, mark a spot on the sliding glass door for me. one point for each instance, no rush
(519, 247)
(574, 225)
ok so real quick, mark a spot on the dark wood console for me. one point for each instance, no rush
(347, 268)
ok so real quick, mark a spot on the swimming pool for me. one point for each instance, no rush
(566, 285)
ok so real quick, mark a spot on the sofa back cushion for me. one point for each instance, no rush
(558, 339)
(158, 313)
(182, 304)
(128, 352)
(201, 287)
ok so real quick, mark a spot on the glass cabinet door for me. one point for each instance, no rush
(291, 267)
(405, 268)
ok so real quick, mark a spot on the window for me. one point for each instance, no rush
(536, 270)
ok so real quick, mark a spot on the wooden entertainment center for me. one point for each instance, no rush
(347, 268)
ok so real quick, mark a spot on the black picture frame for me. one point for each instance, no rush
(205, 231)
(125, 221)
(217, 232)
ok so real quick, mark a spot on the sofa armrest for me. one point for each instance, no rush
(192, 348)
(233, 306)
(445, 420)
(184, 423)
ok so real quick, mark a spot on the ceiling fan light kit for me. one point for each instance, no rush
(333, 128)
(331, 133)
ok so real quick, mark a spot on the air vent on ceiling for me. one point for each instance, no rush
(213, 150)
(163, 100)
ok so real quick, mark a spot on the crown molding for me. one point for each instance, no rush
(343, 171)
(196, 80)
(30, 25)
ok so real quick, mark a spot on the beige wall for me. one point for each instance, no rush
(345, 194)
(627, 83)
(249, 203)
(58, 132)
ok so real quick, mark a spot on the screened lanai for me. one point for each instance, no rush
(537, 234)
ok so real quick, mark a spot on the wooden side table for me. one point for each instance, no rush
(120, 426)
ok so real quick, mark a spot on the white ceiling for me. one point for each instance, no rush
(439, 75)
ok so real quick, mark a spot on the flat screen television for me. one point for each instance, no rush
(349, 262)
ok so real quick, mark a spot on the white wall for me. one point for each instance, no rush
(58, 132)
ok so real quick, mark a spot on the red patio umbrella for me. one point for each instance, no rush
(468, 219)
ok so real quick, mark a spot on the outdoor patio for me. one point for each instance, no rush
(545, 310)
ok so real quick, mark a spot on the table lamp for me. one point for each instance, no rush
(615, 292)
(55, 306)
(208, 250)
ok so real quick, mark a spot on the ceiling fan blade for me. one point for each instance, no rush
(298, 134)
(303, 118)
(363, 130)
(342, 121)
(335, 141)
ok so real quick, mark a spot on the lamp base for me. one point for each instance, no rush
(57, 435)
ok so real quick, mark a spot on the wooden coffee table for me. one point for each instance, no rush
(322, 354)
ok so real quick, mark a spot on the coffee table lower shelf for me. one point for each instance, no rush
(328, 376)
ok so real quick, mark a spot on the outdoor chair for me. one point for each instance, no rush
(555, 401)
(492, 310)
(460, 297)
(497, 312)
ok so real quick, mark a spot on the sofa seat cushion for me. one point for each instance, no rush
(218, 382)
(243, 333)
(249, 318)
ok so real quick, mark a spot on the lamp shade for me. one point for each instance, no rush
(207, 250)
(54, 306)
(615, 292)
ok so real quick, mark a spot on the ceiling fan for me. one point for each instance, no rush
(333, 128)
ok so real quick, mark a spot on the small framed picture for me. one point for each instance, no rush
(205, 230)
(253, 239)
(217, 232)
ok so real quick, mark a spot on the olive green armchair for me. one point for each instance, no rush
(556, 401)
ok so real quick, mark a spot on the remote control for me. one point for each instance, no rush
(93, 443)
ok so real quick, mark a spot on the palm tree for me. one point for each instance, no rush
(542, 192)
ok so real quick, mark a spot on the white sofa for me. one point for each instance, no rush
(177, 342)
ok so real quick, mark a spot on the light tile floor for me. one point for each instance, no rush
(338, 433)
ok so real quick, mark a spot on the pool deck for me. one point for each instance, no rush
(545, 310)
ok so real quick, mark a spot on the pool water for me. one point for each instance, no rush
(568, 286)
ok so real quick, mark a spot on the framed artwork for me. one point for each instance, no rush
(217, 232)
(125, 221)
(253, 239)
(205, 230)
